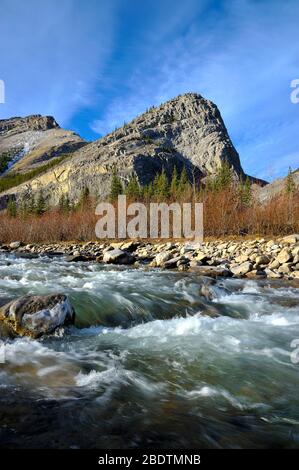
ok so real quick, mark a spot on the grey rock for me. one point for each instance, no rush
(284, 256)
(241, 269)
(162, 258)
(80, 257)
(117, 256)
(269, 191)
(212, 271)
(174, 262)
(37, 315)
(272, 274)
(262, 259)
(15, 245)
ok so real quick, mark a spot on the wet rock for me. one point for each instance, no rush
(174, 262)
(79, 257)
(208, 292)
(212, 271)
(37, 315)
(183, 267)
(118, 256)
(256, 274)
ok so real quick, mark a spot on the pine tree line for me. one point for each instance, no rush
(178, 187)
(162, 188)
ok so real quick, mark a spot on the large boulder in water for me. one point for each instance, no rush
(36, 315)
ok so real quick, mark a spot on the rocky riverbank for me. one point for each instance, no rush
(258, 258)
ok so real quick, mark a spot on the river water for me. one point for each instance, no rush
(150, 363)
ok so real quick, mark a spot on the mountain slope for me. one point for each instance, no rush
(187, 131)
(26, 143)
(276, 187)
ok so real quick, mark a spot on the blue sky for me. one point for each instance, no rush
(98, 63)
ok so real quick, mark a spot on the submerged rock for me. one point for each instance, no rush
(36, 315)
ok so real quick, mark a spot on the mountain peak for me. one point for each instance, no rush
(184, 132)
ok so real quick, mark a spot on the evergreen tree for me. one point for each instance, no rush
(174, 183)
(183, 184)
(24, 208)
(30, 207)
(147, 191)
(161, 186)
(224, 177)
(64, 203)
(84, 198)
(116, 187)
(290, 185)
(12, 208)
(41, 205)
(132, 190)
(246, 192)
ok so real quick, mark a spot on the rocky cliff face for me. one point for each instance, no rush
(185, 131)
(26, 143)
(36, 122)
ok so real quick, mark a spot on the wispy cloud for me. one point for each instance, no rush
(243, 58)
(96, 64)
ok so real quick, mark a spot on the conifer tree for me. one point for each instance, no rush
(12, 208)
(41, 205)
(290, 185)
(147, 191)
(84, 198)
(161, 186)
(116, 187)
(132, 190)
(183, 184)
(224, 177)
(174, 183)
(30, 207)
(246, 192)
(64, 203)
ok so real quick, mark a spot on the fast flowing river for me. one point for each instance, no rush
(149, 363)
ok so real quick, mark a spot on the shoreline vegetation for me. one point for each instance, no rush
(230, 207)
